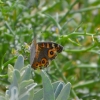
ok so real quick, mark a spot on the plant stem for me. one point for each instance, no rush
(68, 11)
(86, 83)
(85, 9)
(65, 80)
(82, 50)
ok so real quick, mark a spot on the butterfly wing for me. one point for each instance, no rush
(32, 52)
(45, 51)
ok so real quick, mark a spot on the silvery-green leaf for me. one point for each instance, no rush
(17, 73)
(48, 92)
(64, 94)
(2, 98)
(56, 84)
(26, 73)
(32, 95)
(58, 89)
(39, 94)
(19, 63)
(24, 84)
(26, 90)
(24, 97)
(13, 85)
(14, 93)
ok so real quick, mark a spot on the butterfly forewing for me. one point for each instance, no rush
(32, 52)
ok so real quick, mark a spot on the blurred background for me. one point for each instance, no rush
(75, 24)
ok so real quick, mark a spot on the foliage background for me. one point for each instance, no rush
(72, 23)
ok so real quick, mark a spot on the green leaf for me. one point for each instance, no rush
(39, 95)
(54, 21)
(13, 87)
(48, 92)
(19, 63)
(24, 84)
(56, 84)
(17, 73)
(31, 95)
(2, 60)
(25, 97)
(21, 87)
(2, 98)
(65, 92)
(26, 73)
(26, 89)
(8, 62)
(58, 90)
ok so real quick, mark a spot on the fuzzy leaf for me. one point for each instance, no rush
(19, 63)
(24, 84)
(26, 73)
(58, 90)
(24, 97)
(2, 98)
(48, 92)
(39, 95)
(17, 73)
(64, 94)
(14, 84)
(13, 88)
(26, 90)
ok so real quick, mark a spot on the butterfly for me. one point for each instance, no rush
(42, 52)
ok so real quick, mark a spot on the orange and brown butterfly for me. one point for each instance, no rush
(42, 52)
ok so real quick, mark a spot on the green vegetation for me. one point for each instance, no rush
(22, 86)
(75, 24)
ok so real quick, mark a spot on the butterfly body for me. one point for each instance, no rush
(44, 52)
